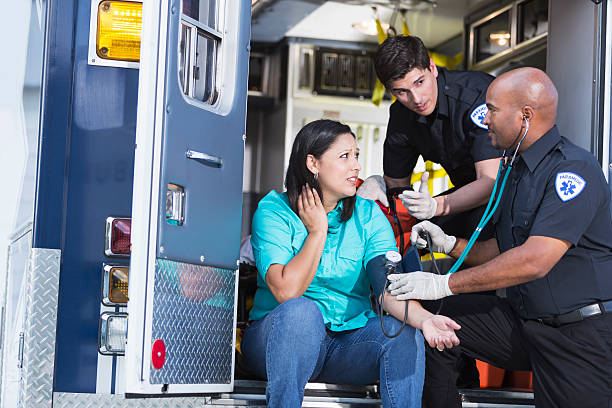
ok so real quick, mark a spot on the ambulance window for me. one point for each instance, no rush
(492, 36)
(329, 70)
(183, 57)
(204, 11)
(257, 72)
(306, 69)
(204, 79)
(533, 19)
(363, 82)
(199, 44)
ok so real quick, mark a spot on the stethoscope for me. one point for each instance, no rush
(488, 213)
(493, 200)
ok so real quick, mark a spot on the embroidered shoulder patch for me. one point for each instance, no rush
(569, 185)
(478, 115)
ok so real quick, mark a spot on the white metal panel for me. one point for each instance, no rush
(30, 356)
(74, 400)
(41, 321)
(146, 197)
(570, 59)
(155, 290)
(13, 318)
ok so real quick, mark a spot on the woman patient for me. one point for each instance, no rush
(312, 318)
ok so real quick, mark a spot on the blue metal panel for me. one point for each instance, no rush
(213, 195)
(99, 174)
(55, 118)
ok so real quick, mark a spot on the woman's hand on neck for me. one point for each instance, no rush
(311, 211)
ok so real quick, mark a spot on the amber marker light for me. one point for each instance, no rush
(119, 29)
(115, 289)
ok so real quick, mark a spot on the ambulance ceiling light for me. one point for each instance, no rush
(499, 38)
(368, 27)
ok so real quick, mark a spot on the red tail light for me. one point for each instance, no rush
(118, 236)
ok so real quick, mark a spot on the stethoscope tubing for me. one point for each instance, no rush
(488, 213)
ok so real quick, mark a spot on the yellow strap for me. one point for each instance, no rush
(405, 30)
(379, 93)
(379, 88)
(427, 257)
(382, 36)
(430, 170)
(433, 174)
(446, 61)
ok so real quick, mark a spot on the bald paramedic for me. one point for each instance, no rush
(552, 250)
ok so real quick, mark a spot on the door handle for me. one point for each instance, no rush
(204, 158)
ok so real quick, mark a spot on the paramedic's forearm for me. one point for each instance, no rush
(471, 195)
(293, 279)
(530, 261)
(481, 252)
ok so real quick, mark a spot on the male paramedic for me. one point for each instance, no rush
(552, 251)
(438, 114)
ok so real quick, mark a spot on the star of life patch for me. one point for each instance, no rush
(478, 115)
(569, 185)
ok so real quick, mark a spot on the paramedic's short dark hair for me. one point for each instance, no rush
(314, 138)
(398, 55)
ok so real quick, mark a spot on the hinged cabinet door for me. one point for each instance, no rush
(186, 215)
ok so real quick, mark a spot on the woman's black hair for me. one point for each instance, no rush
(314, 138)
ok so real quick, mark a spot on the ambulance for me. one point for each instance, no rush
(139, 136)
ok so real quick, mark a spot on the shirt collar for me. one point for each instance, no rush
(537, 151)
(333, 218)
(442, 99)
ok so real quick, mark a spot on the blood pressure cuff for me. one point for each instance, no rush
(375, 269)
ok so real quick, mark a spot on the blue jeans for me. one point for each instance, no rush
(290, 346)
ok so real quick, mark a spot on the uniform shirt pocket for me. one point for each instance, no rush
(522, 221)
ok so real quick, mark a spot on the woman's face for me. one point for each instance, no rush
(338, 169)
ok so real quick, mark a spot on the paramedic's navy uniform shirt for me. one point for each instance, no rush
(557, 189)
(453, 135)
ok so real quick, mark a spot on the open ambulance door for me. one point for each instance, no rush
(186, 211)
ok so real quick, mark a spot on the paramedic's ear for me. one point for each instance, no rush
(527, 113)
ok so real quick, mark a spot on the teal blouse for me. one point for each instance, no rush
(340, 288)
